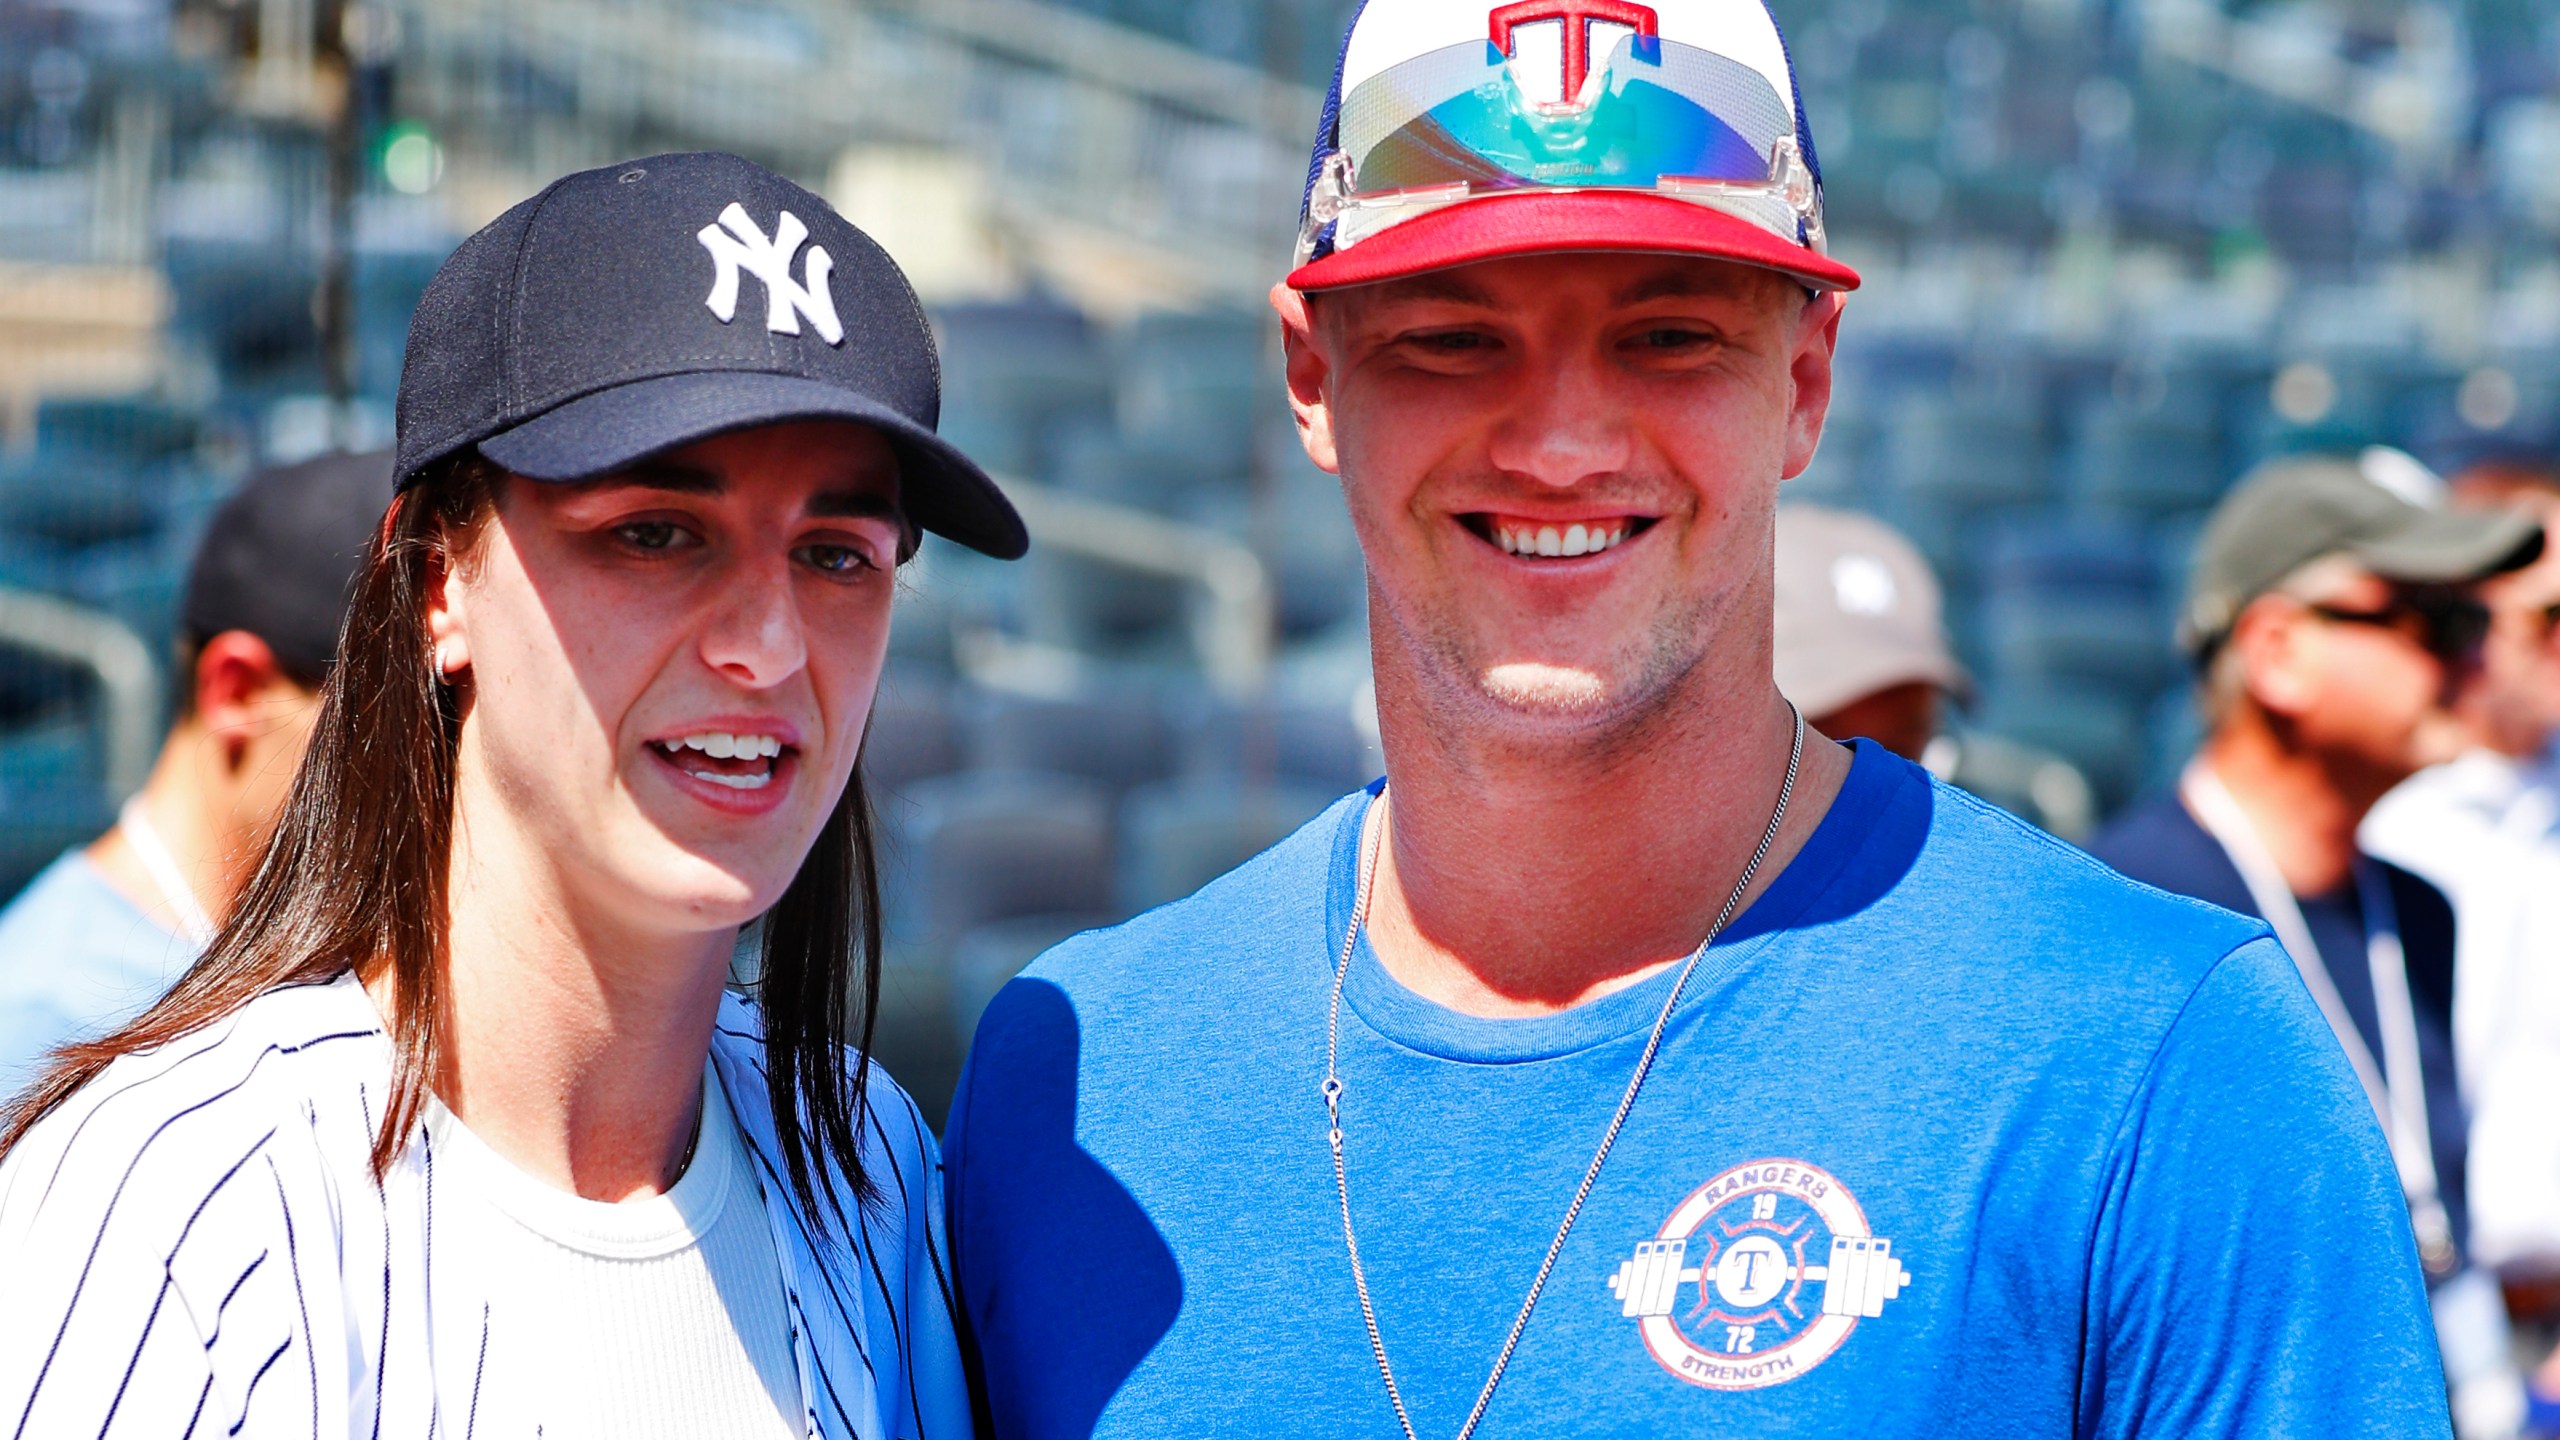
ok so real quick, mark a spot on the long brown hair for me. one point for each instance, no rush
(355, 878)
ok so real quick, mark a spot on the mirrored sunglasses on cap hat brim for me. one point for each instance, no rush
(1657, 116)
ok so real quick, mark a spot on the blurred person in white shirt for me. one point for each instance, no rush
(2485, 829)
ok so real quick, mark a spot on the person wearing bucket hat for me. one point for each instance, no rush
(2331, 616)
(1632, 1061)
(455, 1124)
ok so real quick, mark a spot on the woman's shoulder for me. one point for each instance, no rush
(893, 1129)
(179, 1221)
(874, 1280)
(152, 1136)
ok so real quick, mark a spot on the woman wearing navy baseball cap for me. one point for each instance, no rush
(455, 1124)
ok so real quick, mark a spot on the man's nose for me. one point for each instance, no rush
(1567, 425)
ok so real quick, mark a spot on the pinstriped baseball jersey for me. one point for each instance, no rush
(193, 1244)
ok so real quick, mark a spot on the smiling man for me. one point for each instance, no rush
(1632, 1061)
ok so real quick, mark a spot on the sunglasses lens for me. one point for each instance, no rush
(2457, 627)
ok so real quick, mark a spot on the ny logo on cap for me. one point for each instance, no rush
(743, 246)
(1577, 16)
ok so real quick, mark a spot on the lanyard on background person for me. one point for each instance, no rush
(162, 867)
(2396, 1086)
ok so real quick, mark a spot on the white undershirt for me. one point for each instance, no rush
(656, 1317)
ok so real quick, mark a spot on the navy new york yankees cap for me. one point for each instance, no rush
(634, 308)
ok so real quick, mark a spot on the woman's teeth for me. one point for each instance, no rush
(1521, 538)
(721, 745)
(749, 758)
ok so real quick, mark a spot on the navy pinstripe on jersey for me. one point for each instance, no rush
(193, 1245)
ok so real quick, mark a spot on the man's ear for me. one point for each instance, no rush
(1307, 370)
(237, 682)
(2269, 637)
(1817, 335)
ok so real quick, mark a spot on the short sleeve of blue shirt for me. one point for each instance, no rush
(2251, 1273)
(1954, 1132)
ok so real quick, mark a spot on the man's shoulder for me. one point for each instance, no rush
(69, 910)
(2159, 845)
(60, 883)
(2066, 968)
(76, 958)
(1276, 893)
(1180, 971)
(2151, 826)
(2007, 874)
(2423, 913)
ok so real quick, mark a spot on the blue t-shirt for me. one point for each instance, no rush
(1955, 1132)
(76, 959)
(2159, 843)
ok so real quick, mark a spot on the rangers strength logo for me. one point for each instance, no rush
(1778, 1266)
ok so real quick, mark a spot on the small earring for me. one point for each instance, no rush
(441, 666)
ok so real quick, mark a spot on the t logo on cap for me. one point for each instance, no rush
(743, 244)
(1576, 17)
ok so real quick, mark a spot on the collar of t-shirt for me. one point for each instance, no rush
(1878, 781)
(627, 1230)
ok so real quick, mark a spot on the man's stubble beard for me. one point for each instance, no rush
(1464, 693)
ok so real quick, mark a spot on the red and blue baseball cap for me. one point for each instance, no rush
(638, 307)
(1459, 131)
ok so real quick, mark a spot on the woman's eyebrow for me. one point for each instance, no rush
(662, 475)
(842, 503)
(854, 505)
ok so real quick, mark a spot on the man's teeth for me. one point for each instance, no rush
(1564, 540)
(720, 745)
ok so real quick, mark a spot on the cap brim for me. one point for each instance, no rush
(1501, 226)
(942, 490)
(2452, 547)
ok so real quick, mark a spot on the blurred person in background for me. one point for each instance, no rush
(2485, 829)
(1634, 1060)
(2331, 615)
(1860, 645)
(103, 930)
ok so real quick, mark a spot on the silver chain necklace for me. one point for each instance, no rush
(1599, 1157)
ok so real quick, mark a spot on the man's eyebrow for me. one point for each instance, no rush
(1678, 283)
(1436, 285)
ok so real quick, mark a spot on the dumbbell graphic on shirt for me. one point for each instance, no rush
(1858, 1278)
(1753, 1241)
